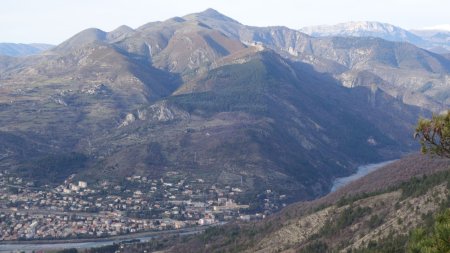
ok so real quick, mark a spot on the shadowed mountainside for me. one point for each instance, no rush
(211, 97)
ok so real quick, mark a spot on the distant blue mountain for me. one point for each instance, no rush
(15, 49)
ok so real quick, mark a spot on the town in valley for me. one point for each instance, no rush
(76, 209)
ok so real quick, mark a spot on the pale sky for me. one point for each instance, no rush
(53, 21)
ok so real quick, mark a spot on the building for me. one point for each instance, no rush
(74, 187)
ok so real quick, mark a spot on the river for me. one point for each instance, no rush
(362, 171)
(29, 247)
(143, 237)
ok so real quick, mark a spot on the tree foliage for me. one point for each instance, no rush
(438, 240)
(434, 134)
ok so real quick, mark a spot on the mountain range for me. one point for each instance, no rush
(435, 40)
(255, 107)
(364, 29)
(14, 49)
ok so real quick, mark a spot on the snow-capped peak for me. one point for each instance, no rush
(363, 29)
(350, 27)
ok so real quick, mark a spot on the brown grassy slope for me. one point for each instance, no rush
(300, 220)
(402, 170)
(392, 174)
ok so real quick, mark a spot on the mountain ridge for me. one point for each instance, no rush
(255, 110)
(19, 49)
(326, 55)
(425, 38)
(364, 29)
(211, 95)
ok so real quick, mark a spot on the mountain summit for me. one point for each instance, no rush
(211, 14)
(364, 29)
(433, 40)
(211, 98)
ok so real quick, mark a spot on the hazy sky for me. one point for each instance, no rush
(53, 21)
